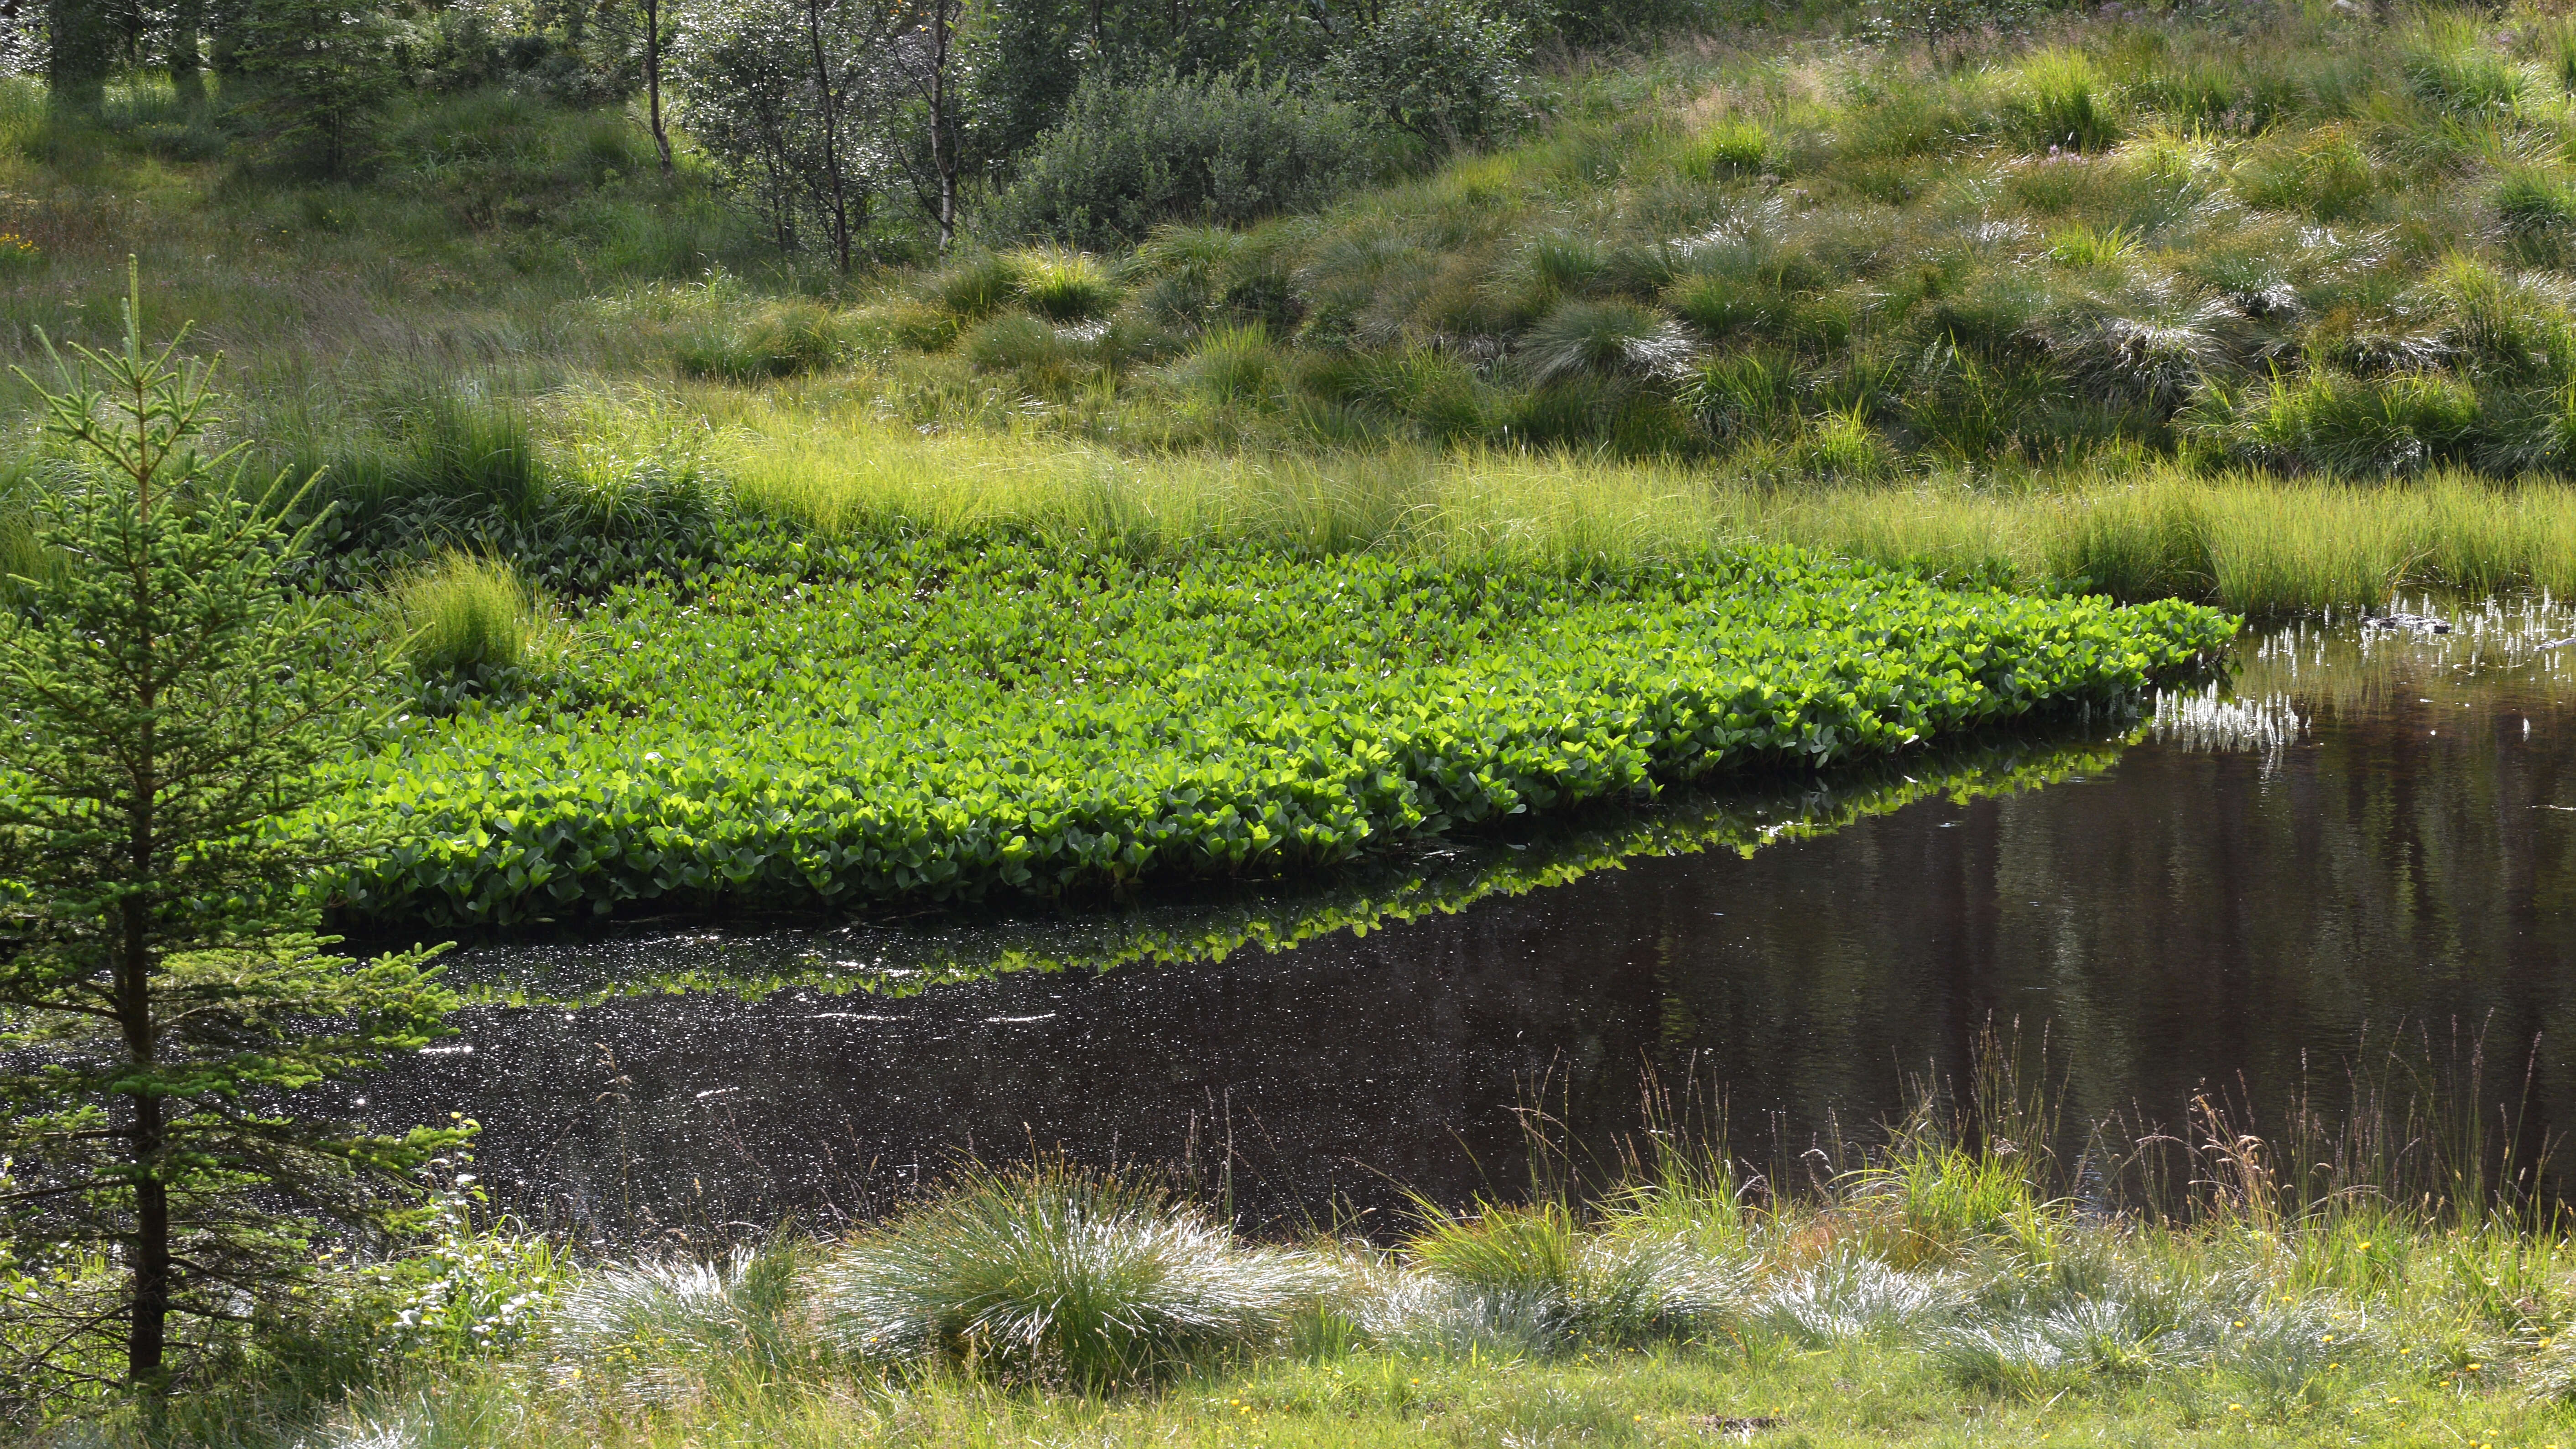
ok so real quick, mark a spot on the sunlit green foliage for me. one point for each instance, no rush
(968, 718)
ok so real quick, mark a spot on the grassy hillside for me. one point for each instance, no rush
(2164, 303)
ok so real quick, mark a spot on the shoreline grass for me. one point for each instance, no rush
(1954, 1280)
(2248, 542)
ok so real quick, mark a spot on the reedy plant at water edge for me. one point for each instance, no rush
(1054, 1274)
(167, 698)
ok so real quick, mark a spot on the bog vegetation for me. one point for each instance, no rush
(2368, 1276)
(944, 721)
(841, 455)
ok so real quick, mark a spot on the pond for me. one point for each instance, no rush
(2371, 830)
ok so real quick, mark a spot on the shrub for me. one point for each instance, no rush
(1129, 158)
(655, 1334)
(2450, 66)
(466, 613)
(2327, 173)
(2060, 99)
(2152, 361)
(1429, 390)
(2090, 246)
(777, 339)
(1843, 447)
(1851, 1295)
(1718, 304)
(1747, 394)
(1054, 1274)
(1044, 357)
(1603, 339)
(914, 326)
(2068, 1346)
(1234, 365)
(472, 452)
(1449, 71)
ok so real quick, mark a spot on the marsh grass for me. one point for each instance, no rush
(466, 614)
(1056, 1275)
(2275, 326)
(1942, 1267)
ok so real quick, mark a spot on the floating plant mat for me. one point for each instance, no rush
(1016, 721)
(2369, 830)
(905, 958)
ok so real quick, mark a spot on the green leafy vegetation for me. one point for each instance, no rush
(965, 719)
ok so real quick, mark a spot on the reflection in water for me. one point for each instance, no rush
(2371, 827)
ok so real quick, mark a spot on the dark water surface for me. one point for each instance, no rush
(2369, 827)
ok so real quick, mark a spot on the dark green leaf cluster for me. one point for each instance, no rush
(1012, 718)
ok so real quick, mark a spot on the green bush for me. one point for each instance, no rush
(2090, 246)
(906, 324)
(1843, 447)
(2331, 422)
(655, 1334)
(1449, 71)
(463, 452)
(979, 286)
(2449, 64)
(1743, 395)
(1043, 356)
(2535, 202)
(1236, 712)
(1430, 392)
(1234, 365)
(1535, 1274)
(1055, 1275)
(1128, 158)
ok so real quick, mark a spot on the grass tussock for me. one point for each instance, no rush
(1056, 1275)
(2379, 1272)
(466, 614)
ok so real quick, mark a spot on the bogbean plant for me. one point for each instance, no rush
(979, 717)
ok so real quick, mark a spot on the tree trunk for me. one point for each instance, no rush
(147, 1341)
(831, 132)
(145, 1348)
(187, 53)
(653, 81)
(76, 68)
(943, 141)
